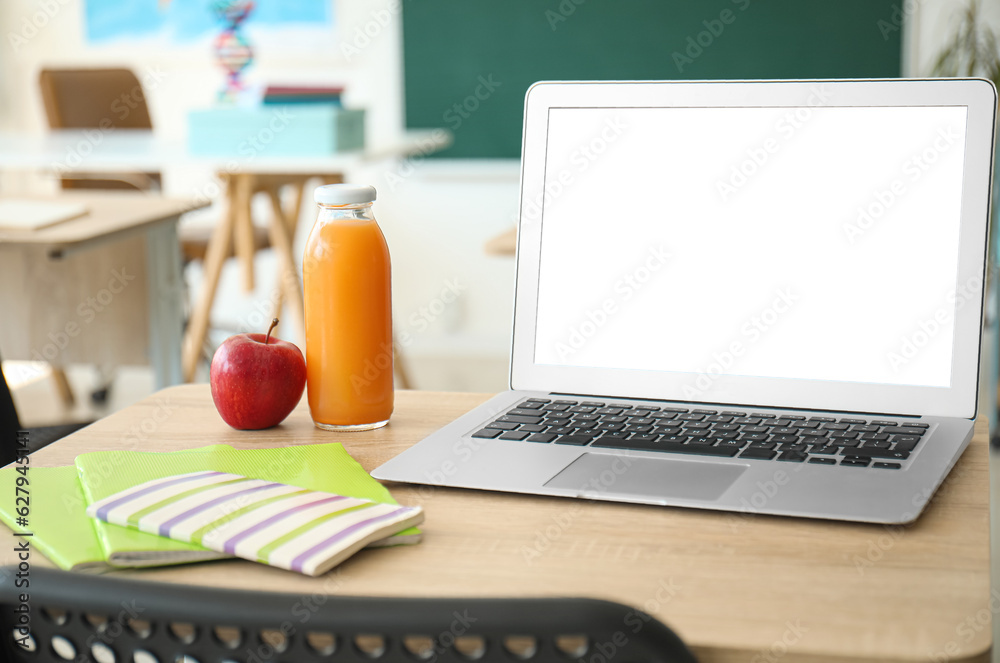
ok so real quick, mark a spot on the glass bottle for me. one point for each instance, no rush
(348, 312)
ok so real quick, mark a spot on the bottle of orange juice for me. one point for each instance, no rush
(348, 310)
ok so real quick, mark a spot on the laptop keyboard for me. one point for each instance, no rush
(848, 441)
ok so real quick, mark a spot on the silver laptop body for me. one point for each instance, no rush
(752, 296)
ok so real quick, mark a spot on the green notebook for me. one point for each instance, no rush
(61, 530)
(322, 467)
(57, 517)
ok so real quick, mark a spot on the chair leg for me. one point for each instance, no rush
(291, 220)
(218, 249)
(279, 302)
(105, 380)
(400, 367)
(281, 240)
(296, 211)
(243, 229)
(63, 387)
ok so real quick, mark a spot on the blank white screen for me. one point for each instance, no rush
(776, 274)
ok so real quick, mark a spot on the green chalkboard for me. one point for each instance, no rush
(468, 63)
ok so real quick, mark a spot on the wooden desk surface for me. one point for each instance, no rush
(735, 587)
(110, 215)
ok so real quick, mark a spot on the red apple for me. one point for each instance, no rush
(257, 380)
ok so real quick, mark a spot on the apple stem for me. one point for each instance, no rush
(274, 323)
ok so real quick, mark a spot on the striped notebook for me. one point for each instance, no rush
(285, 526)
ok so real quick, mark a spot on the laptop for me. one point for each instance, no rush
(750, 296)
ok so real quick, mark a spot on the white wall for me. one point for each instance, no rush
(186, 75)
(436, 220)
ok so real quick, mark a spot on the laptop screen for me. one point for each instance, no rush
(809, 243)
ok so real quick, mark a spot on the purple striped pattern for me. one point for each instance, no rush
(229, 546)
(164, 529)
(102, 512)
(299, 561)
(338, 523)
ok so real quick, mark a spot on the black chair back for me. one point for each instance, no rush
(67, 616)
(9, 424)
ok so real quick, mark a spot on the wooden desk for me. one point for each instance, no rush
(67, 151)
(105, 287)
(735, 587)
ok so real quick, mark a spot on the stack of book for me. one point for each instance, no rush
(276, 95)
(296, 126)
(61, 529)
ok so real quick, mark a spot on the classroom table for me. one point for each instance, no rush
(734, 586)
(243, 175)
(105, 287)
(66, 151)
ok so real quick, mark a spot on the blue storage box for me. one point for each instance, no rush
(294, 130)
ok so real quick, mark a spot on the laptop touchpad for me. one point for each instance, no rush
(594, 475)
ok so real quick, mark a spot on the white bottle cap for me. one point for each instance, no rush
(344, 194)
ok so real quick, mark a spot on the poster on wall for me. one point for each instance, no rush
(179, 22)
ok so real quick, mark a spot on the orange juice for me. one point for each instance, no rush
(348, 310)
